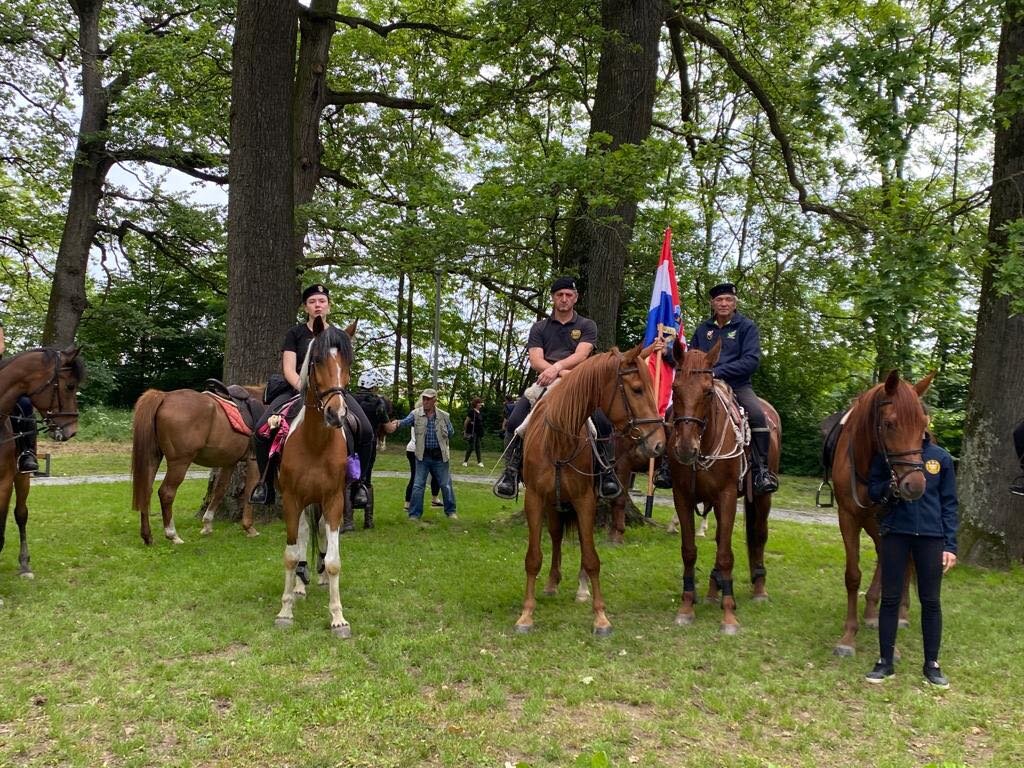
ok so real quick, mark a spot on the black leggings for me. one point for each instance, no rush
(475, 443)
(895, 551)
(435, 487)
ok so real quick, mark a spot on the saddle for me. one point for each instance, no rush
(249, 408)
(831, 427)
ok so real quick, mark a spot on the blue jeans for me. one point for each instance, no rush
(437, 469)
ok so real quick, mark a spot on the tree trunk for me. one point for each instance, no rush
(992, 520)
(598, 239)
(67, 296)
(263, 287)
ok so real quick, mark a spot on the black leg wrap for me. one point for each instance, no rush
(302, 571)
(320, 558)
(726, 587)
(758, 573)
(719, 581)
(689, 584)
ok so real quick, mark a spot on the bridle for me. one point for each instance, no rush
(323, 397)
(684, 419)
(50, 414)
(894, 459)
(634, 426)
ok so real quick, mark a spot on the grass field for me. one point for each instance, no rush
(126, 656)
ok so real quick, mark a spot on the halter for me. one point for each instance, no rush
(702, 423)
(634, 425)
(891, 465)
(740, 439)
(55, 395)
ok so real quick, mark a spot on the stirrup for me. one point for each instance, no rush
(260, 494)
(608, 486)
(507, 486)
(765, 482)
(27, 463)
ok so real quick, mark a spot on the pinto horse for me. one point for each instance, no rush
(314, 464)
(558, 466)
(888, 419)
(50, 378)
(708, 458)
(186, 427)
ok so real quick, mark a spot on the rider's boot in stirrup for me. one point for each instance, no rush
(507, 486)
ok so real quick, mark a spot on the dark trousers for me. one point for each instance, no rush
(23, 424)
(1018, 443)
(758, 422)
(475, 443)
(895, 551)
(435, 487)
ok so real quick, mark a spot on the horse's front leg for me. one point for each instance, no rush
(294, 551)
(556, 531)
(586, 509)
(217, 494)
(756, 515)
(252, 476)
(533, 507)
(332, 515)
(687, 612)
(21, 488)
(725, 519)
(850, 529)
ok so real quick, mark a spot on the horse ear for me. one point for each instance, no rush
(318, 325)
(678, 351)
(922, 386)
(712, 356)
(891, 382)
(631, 354)
(350, 329)
(71, 353)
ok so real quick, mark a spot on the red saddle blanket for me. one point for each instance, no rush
(231, 411)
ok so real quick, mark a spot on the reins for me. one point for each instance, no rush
(49, 414)
(705, 461)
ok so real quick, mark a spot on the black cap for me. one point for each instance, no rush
(315, 289)
(721, 289)
(564, 283)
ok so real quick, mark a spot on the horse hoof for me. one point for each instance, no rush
(177, 540)
(871, 623)
(252, 533)
(283, 623)
(207, 530)
(759, 599)
(299, 595)
(730, 629)
(582, 597)
(343, 632)
(684, 619)
(845, 651)
(902, 624)
(550, 591)
(524, 629)
(709, 600)
(27, 575)
(602, 631)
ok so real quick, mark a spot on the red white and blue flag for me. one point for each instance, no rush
(665, 310)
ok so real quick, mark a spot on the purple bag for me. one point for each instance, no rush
(353, 469)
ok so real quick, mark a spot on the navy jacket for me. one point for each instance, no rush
(935, 513)
(741, 348)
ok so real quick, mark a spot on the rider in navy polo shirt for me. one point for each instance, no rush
(739, 357)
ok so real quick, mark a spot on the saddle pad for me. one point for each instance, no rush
(231, 411)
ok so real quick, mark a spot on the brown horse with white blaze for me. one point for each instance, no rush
(50, 377)
(558, 467)
(186, 427)
(707, 458)
(888, 419)
(314, 464)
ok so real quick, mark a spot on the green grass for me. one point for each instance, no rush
(124, 655)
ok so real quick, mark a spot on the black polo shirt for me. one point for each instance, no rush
(559, 340)
(297, 340)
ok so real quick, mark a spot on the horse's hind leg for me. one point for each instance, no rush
(556, 530)
(756, 514)
(220, 489)
(591, 563)
(252, 476)
(21, 486)
(168, 490)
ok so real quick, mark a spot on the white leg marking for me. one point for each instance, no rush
(332, 564)
(172, 534)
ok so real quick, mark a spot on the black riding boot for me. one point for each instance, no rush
(26, 446)
(765, 481)
(662, 474)
(608, 486)
(358, 495)
(507, 486)
(263, 492)
(347, 514)
(368, 512)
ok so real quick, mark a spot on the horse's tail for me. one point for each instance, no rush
(146, 453)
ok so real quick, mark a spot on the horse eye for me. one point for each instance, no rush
(707, 393)
(638, 390)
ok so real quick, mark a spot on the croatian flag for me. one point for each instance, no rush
(664, 309)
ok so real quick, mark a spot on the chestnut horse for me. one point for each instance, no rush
(186, 427)
(50, 378)
(708, 458)
(558, 466)
(887, 419)
(314, 464)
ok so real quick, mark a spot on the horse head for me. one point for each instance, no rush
(329, 370)
(635, 411)
(899, 423)
(692, 392)
(52, 386)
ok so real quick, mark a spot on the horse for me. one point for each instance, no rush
(314, 465)
(186, 427)
(888, 419)
(50, 378)
(708, 460)
(558, 466)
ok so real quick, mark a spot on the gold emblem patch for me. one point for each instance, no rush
(932, 466)
(575, 334)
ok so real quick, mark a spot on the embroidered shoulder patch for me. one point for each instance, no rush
(932, 466)
(575, 334)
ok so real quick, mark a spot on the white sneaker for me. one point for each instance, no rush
(480, 464)
(465, 464)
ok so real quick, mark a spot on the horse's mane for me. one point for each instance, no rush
(565, 408)
(320, 348)
(77, 365)
(862, 421)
